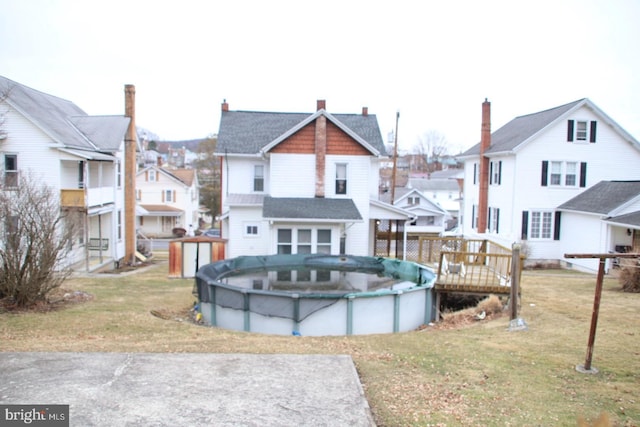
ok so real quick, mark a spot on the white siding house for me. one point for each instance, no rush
(80, 157)
(603, 219)
(534, 164)
(301, 183)
(431, 217)
(167, 198)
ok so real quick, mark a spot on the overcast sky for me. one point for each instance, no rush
(433, 61)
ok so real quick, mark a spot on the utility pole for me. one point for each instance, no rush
(393, 180)
(395, 160)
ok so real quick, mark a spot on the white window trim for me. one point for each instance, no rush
(314, 238)
(346, 179)
(245, 227)
(542, 213)
(264, 179)
(563, 173)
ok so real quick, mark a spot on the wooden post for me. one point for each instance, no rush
(594, 318)
(587, 368)
(515, 280)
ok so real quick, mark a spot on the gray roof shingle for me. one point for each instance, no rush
(522, 128)
(105, 132)
(310, 208)
(632, 219)
(65, 122)
(603, 197)
(247, 132)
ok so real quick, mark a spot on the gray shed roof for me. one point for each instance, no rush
(317, 208)
(66, 123)
(604, 197)
(522, 128)
(247, 132)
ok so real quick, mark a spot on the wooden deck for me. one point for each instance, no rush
(471, 267)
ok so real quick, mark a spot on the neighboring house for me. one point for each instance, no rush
(431, 217)
(609, 210)
(301, 182)
(167, 198)
(80, 156)
(517, 177)
(442, 188)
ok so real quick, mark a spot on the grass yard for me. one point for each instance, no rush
(476, 373)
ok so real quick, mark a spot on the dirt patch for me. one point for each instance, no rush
(56, 300)
(127, 268)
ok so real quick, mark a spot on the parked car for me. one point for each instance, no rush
(212, 232)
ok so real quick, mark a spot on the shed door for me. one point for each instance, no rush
(194, 256)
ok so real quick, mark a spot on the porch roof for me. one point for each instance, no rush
(161, 210)
(89, 155)
(310, 209)
(629, 220)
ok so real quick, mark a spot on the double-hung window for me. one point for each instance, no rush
(493, 220)
(582, 131)
(341, 178)
(11, 170)
(495, 172)
(564, 174)
(258, 178)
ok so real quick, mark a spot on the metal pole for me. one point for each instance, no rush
(515, 280)
(594, 318)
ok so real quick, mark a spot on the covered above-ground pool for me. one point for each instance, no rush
(316, 295)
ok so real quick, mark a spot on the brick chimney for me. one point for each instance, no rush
(320, 149)
(365, 111)
(225, 106)
(485, 143)
(321, 104)
(130, 149)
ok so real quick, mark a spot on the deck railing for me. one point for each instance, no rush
(467, 265)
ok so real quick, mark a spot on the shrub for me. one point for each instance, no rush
(630, 278)
(35, 238)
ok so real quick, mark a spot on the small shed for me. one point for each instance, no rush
(188, 254)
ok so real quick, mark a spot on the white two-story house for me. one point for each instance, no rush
(79, 156)
(430, 216)
(167, 198)
(517, 177)
(301, 182)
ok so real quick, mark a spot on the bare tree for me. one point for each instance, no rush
(36, 236)
(208, 166)
(429, 149)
